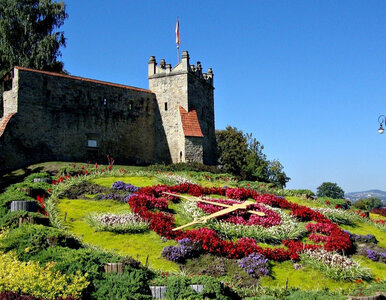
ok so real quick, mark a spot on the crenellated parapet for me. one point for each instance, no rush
(163, 69)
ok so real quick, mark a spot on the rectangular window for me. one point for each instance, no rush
(166, 106)
(92, 143)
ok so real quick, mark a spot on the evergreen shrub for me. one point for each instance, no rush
(28, 240)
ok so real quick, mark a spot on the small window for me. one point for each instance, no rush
(92, 143)
(104, 102)
(7, 85)
(129, 106)
(166, 106)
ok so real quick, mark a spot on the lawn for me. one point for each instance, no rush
(139, 246)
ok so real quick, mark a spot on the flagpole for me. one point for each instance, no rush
(178, 40)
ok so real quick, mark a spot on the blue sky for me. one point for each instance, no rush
(307, 78)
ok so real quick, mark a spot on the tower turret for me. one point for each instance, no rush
(185, 99)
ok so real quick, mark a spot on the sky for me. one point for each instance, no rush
(306, 78)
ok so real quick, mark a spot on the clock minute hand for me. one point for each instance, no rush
(198, 199)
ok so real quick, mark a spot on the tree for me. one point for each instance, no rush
(242, 155)
(232, 150)
(331, 190)
(276, 173)
(29, 36)
(368, 203)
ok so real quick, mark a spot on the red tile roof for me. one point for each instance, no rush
(85, 79)
(190, 123)
(4, 123)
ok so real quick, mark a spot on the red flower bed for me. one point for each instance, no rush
(379, 211)
(151, 204)
(271, 218)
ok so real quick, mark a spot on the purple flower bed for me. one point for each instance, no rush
(255, 265)
(120, 185)
(368, 238)
(376, 256)
(186, 249)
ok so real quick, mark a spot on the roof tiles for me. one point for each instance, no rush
(190, 123)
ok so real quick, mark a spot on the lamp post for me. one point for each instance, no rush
(382, 121)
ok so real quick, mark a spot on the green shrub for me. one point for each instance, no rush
(314, 295)
(178, 288)
(8, 196)
(213, 289)
(129, 285)
(85, 260)
(11, 219)
(32, 279)
(28, 240)
(30, 178)
(38, 188)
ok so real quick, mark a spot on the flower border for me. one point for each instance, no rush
(150, 199)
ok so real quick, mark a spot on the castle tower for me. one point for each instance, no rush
(185, 98)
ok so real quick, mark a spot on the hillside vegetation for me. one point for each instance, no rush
(300, 245)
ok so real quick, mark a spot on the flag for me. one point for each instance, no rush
(178, 40)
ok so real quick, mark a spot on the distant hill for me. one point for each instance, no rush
(366, 194)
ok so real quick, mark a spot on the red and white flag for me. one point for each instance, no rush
(178, 40)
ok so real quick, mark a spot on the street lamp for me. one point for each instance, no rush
(381, 119)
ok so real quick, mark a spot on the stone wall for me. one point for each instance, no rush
(171, 92)
(201, 96)
(58, 115)
(193, 149)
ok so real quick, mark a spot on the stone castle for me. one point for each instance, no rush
(47, 116)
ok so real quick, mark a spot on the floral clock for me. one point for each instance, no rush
(235, 234)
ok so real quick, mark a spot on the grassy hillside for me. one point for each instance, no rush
(77, 195)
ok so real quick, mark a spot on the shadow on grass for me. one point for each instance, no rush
(16, 176)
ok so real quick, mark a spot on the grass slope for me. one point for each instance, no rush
(135, 245)
(140, 245)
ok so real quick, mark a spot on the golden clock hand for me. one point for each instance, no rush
(187, 225)
(206, 218)
(199, 200)
(259, 213)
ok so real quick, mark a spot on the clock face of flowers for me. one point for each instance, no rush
(237, 234)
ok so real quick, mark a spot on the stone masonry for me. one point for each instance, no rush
(47, 116)
(185, 86)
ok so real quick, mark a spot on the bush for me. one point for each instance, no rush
(129, 285)
(11, 219)
(368, 203)
(213, 289)
(28, 240)
(30, 178)
(11, 195)
(178, 288)
(83, 188)
(85, 260)
(314, 295)
(32, 279)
